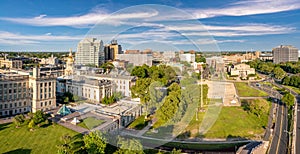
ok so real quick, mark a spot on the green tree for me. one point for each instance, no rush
(39, 117)
(94, 143)
(129, 146)
(141, 89)
(174, 151)
(65, 146)
(288, 99)
(31, 124)
(279, 73)
(18, 119)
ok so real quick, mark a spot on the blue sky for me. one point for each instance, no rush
(164, 25)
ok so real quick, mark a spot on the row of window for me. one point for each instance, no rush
(5, 106)
(46, 103)
(45, 96)
(45, 84)
(11, 112)
(9, 91)
(13, 97)
(10, 85)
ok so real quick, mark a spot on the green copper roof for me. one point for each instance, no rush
(64, 110)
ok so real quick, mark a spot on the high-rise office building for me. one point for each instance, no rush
(90, 51)
(285, 54)
(112, 50)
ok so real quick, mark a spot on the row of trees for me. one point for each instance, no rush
(268, 68)
(34, 119)
(292, 81)
(96, 143)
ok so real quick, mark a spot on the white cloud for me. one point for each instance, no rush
(11, 38)
(83, 20)
(248, 7)
(153, 13)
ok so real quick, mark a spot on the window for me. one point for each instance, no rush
(20, 103)
(45, 103)
(0, 106)
(5, 106)
(24, 109)
(46, 84)
(20, 110)
(41, 104)
(49, 102)
(49, 83)
(41, 85)
(16, 105)
(10, 105)
(24, 103)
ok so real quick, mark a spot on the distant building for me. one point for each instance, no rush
(90, 51)
(240, 58)
(241, 70)
(112, 50)
(266, 56)
(216, 63)
(11, 63)
(187, 57)
(137, 59)
(132, 52)
(286, 53)
(49, 61)
(168, 56)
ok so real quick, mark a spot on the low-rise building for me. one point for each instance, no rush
(15, 95)
(187, 57)
(216, 63)
(49, 61)
(241, 70)
(11, 63)
(136, 59)
(22, 91)
(91, 89)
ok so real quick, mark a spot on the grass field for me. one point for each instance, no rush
(90, 123)
(244, 90)
(41, 140)
(235, 122)
(232, 122)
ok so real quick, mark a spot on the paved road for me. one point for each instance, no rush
(280, 138)
(298, 127)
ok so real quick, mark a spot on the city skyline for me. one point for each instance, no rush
(233, 25)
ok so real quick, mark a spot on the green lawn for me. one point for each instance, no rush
(232, 122)
(244, 90)
(41, 140)
(235, 122)
(90, 123)
(139, 123)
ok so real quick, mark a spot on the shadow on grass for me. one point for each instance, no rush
(19, 151)
(3, 126)
(234, 137)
